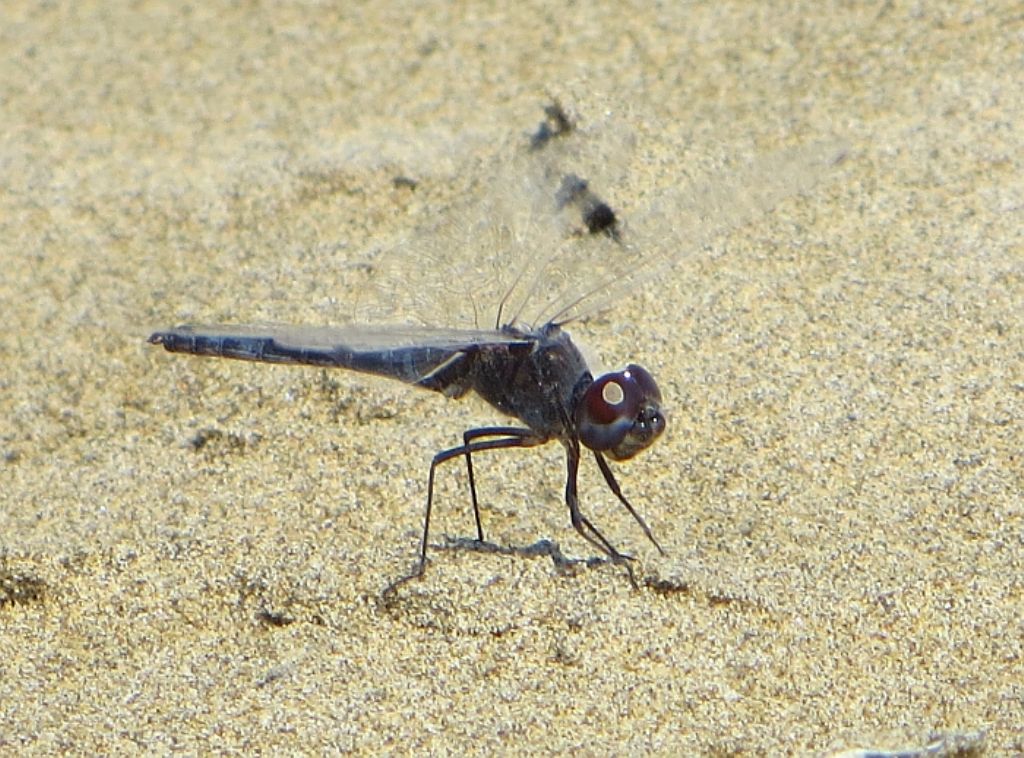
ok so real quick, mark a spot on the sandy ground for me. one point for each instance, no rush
(192, 552)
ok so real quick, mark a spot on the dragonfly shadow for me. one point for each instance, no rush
(564, 564)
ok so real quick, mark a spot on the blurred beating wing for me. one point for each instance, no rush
(514, 253)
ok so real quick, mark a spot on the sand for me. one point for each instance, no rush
(193, 552)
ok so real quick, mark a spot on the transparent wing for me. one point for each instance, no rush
(680, 220)
(519, 249)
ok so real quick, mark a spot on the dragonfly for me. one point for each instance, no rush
(527, 366)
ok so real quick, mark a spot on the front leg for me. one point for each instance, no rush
(613, 485)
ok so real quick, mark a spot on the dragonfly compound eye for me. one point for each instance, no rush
(620, 413)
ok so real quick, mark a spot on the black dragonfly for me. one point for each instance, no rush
(536, 374)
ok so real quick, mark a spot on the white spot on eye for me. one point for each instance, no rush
(612, 393)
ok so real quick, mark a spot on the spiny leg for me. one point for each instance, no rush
(509, 432)
(613, 485)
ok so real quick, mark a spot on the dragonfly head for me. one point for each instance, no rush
(620, 413)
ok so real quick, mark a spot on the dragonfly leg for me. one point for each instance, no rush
(613, 485)
(509, 432)
(509, 437)
(580, 522)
